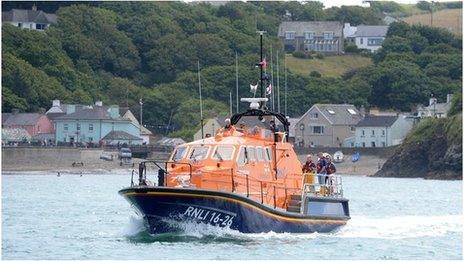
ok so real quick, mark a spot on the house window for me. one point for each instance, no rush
(361, 41)
(331, 111)
(309, 35)
(328, 35)
(352, 128)
(20, 25)
(65, 127)
(383, 132)
(318, 129)
(90, 139)
(78, 126)
(364, 144)
(383, 143)
(289, 35)
(373, 132)
(40, 26)
(374, 41)
(351, 111)
(90, 127)
(363, 133)
(352, 144)
(373, 144)
(315, 115)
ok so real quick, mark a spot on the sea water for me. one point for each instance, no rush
(83, 217)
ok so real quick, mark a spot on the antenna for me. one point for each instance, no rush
(201, 102)
(285, 71)
(236, 80)
(261, 63)
(272, 83)
(230, 100)
(278, 82)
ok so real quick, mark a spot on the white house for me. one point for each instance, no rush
(381, 131)
(435, 109)
(30, 19)
(370, 37)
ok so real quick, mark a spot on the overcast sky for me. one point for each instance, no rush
(330, 3)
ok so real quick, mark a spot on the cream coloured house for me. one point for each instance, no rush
(326, 125)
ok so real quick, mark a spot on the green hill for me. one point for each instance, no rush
(331, 66)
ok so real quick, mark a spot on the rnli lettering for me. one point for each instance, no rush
(209, 216)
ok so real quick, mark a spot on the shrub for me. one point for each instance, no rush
(351, 48)
(319, 56)
(302, 55)
(315, 74)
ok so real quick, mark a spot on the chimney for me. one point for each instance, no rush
(99, 103)
(34, 8)
(449, 97)
(56, 103)
(362, 111)
(432, 101)
(14, 111)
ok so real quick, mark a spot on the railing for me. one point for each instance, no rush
(322, 185)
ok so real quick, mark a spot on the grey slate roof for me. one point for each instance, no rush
(27, 16)
(318, 27)
(5, 116)
(94, 113)
(120, 135)
(21, 119)
(371, 31)
(377, 121)
(341, 115)
(15, 134)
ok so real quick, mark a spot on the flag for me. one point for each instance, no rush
(253, 88)
(263, 63)
(269, 90)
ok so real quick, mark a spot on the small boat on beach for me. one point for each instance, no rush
(247, 177)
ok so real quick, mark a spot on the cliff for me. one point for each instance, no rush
(433, 150)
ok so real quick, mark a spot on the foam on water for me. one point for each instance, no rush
(399, 227)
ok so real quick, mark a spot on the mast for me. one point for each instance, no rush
(201, 102)
(285, 71)
(278, 82)
(272, 83)
(230, 101)
(236, 81)
(261, 82)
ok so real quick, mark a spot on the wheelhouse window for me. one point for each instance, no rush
(199, 153)
(268, 154)
(223, 153)
(251, 153)
(259, 154)
(242, 156)
(179, 153)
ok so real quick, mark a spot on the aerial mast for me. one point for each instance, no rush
(261, 65)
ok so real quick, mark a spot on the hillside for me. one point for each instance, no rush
(433, 150)
(330, 66)
(449, 19)
(119, 52)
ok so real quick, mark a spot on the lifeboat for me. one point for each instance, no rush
(246, 177)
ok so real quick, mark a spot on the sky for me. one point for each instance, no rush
(330, 3)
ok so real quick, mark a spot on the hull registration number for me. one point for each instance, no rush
(209, 216)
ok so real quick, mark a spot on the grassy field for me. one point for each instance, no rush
(329, 66)
(449, 19)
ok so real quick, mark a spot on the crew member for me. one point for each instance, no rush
(321, 168)
(309, 165)
(329, 179)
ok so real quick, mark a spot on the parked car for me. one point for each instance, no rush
(125, 153)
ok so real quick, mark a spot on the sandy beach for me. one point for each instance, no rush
(92, 164)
